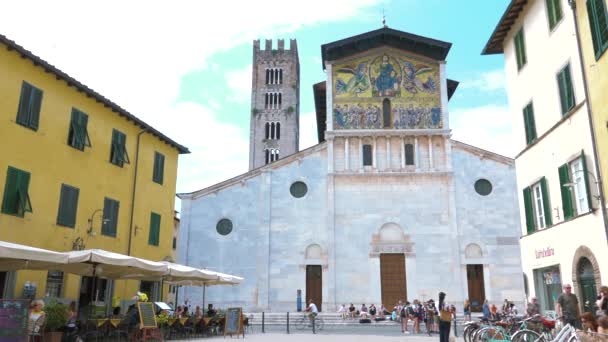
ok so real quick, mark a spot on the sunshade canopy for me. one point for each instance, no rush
(17, 257)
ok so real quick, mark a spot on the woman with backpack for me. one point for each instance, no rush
(445, 319)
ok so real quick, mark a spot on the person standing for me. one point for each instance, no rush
(486, 309)
(533, 308)
(445, 319)
(467, 310)
(567, 307)
(602, 301)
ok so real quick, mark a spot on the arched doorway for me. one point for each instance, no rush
(475, 278)
(586, 281)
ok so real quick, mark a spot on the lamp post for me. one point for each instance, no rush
(103, 220)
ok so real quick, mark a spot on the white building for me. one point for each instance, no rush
(563, 232)
(386, 207)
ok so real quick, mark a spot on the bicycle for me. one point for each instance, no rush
(305, 321)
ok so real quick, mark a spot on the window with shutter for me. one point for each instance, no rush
(68, 206)
(409, 154)
(159, 168)
(566, 191)
(529, 208)
(554, 12)
(78, 135)
(28, 112)
(520, 49)
(154, 237)
(118, 152)
(367, 155)
(529, 125)
(598, 22)
(16, 199)
(110, 217)
(566, 92)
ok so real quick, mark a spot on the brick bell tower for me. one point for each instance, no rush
(275, 103)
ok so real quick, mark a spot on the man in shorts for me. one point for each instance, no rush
(312, 310)
(567, 307)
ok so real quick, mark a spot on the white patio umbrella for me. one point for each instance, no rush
(14, 256)
(217, 279)
(105, 264)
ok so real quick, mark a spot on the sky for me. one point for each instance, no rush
(184, 67)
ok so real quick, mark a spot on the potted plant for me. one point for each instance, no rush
(56, 317)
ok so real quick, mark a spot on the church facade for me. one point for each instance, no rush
(386, 207)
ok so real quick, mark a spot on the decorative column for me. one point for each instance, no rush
(346, 155)
(431, 166)
(388, 153)
(402, 153)
(374, 152)
(361, 154)
(416, 154)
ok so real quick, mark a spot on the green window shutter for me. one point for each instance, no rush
(564, 177)
(79, 136)
(529, 210)
(569, 87)
(154, 237)
(520, 49)
(68, 206)
(35, 103)
(554, 11)
(546, 202)
(586, 175)
(561, 81)
(159, 168)
(24, 101)
(118, 153)
(110, 217)
(598, 22)
(9, 201)
(529, 124)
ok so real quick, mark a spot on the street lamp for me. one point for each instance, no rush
(103, 220)
(573, 184)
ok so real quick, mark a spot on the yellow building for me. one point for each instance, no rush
(78, 171)
(592, 22)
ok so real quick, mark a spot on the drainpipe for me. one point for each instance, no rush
(134, 188)
(596, 156)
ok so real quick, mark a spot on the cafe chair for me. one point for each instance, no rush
(248, 324)
(121, 330)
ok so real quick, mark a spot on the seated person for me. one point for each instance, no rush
(312, 309)
(197, 312)
(210, 311)
(351, 310)
(364, 314)
(116, 312)
(36, 317)
(342, 311)
(372, 311)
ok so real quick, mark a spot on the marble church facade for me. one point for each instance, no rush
(387, 206)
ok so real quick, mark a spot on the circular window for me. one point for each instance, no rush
(298, 189)
(483, 187)
(224, 226)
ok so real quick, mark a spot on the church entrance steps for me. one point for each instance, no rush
(330, 319)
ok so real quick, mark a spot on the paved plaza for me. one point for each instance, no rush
(337, 337)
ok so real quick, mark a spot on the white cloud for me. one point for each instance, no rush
(239, 83)
(136, 53)
(487, 81)
(487, 127)
(308, 130)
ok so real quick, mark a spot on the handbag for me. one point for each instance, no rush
(445, 315)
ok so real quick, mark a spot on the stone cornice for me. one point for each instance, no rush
(484, 154)
(386, 132)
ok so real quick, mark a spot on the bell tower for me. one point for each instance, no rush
(275, 103)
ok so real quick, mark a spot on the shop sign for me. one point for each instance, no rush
(545, 252)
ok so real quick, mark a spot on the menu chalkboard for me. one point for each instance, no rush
(147, 318)
(234, 322)
(13, 319)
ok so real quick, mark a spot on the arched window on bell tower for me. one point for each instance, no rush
(386, 113)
